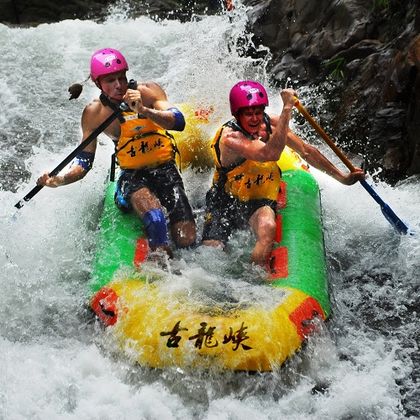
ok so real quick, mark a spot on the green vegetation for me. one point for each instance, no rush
(336, 66)
(381, 4)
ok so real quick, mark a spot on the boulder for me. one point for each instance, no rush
(363, 57)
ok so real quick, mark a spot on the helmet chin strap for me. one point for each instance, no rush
(111, 99)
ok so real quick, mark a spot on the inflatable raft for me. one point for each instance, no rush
(159, 330)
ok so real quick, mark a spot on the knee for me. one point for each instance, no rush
(267, 229)
(184, 234)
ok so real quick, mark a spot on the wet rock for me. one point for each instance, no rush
(33, 12)
(364, 57)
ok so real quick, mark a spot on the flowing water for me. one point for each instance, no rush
(53, 358)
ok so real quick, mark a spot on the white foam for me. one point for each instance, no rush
(54, 364)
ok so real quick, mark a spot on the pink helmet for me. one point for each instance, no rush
(106, 61)
(247, 93)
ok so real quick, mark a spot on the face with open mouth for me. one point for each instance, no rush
(251, 118)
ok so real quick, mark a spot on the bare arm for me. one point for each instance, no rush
(316, 159)
(257, 149)
(151, 101)
(76, 171)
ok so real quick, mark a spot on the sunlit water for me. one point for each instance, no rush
(54, 361)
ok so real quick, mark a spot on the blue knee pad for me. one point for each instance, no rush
(156, 229)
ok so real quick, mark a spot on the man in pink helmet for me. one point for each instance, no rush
(250, 144)
(144, 150)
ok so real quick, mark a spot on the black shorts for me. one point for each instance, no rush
(163, 181)
(225, 213)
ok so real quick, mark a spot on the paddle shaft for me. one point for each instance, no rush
(324, 135)
(95, 133)
(389, 214)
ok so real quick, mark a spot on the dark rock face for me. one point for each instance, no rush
(32, 12)
(369, 53)
(363, 56)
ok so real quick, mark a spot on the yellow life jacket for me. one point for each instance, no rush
(247, 179)
(143, 143)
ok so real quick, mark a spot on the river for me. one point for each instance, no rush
(54, 363)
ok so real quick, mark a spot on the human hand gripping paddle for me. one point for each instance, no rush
(389, 214)
(95, 133)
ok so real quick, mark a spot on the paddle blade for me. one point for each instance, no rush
(389, 214)
(395, 221)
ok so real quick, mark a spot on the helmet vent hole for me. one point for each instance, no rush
(249, 96)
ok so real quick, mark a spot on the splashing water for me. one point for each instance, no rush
(54, 364)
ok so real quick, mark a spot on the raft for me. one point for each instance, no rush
(159, 331)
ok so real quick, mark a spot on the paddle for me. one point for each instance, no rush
(389, 214)
(95, 133)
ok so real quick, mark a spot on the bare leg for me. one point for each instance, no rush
(184, 233)
(144, 200)
(263, 224)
